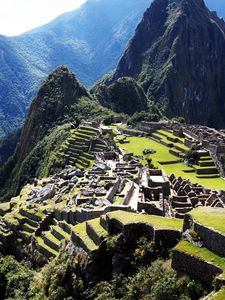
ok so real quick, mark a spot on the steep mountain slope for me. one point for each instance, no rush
(178, 56)
(18, 80)
(61, 103)
(124, 95)
(89, 41)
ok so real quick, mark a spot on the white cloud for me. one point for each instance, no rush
(18, 16)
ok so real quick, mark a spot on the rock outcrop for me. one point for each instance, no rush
(50, 107)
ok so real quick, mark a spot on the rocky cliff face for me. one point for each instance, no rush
(50, 107)
(43, 131)
(178, 56)
(89, 40)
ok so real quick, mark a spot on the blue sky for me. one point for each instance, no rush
(18, 16)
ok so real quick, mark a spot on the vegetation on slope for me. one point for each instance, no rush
(8, 145)
(28, 58)
(61, 100)
(142, 278)
(124, 95)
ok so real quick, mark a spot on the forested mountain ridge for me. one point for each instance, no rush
(89, 41)
(178, 56)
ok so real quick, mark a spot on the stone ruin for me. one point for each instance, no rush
(175, 197)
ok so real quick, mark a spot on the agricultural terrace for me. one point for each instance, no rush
(219, 295)
(157, 222)
(203, 254)
(210, 217)
(136, 145)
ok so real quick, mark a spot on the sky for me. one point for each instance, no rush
(18, 16)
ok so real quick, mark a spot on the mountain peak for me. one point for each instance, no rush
(50, 107)
(178, 56)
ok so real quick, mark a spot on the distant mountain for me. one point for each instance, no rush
(178, 56)
(89, 40)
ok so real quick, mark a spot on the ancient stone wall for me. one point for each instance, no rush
(213, 240)
(113, 190)
(167, 238)
(93, 235)
(128, 196)
(149, 209)
(30, 215)
(185, 263)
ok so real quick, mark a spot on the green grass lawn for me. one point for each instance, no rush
(41, 242)
(80, 231)
(156, 221)
(220, 295)
(95, 224)
(210, 217)
(203, 254)
(160, 134)
(138, 144)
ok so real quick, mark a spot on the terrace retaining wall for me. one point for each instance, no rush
(93, 235)
(212, 239)
(167, 238)
(185, 263)
(29, 215)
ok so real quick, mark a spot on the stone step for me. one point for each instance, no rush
(50, 240)
(88, 156)
(83, 163)
(28, 228)
(81, 239)
(206, 163)
(59, 233)
(44, 249)
(92, 130)
(95, 231)
(82, 135)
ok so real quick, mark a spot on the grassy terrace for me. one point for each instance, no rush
(137, 144)
(155, 221)
(61, 231)
(210, 217)
(42, 244)
(220, 295)
(76, 146)
(163, 136)
(95, 224)
(202, 253)
(80, 231)
(170, 134)
(51, 238)
(5, 206)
